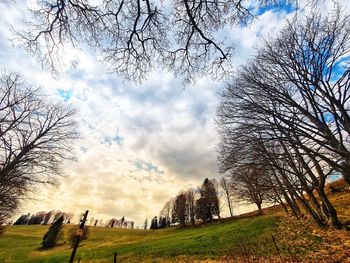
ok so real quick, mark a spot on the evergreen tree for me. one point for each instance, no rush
(179, 211)
(163, 222)
(145, 226)
(211, 194)
(51, 236)
(208, 205)
(20, 220)
(201, 209)
(154, 223)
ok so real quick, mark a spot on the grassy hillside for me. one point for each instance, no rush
(21, 243)
(276, 237)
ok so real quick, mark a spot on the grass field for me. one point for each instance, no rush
(214, 242)
(21, 243)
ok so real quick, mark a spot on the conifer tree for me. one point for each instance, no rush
(20, 220)
(179, 210)
(208, 205)
(163, 222)
(51, 236)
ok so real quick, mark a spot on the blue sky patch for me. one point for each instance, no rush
(334, 177)
(65, 94)
(118, 139)
(328, 117)
(147, 166)
(280, 6)
(339, 68)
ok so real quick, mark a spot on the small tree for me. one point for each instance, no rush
(52, 235)
(73, 232)
(145, 226)
(249, 184)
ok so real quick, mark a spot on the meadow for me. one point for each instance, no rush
(22, 243)
(274, 237)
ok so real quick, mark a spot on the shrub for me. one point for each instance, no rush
(73, 234)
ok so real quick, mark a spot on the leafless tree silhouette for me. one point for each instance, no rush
(292, 101)
(35, 136)
(134, 37)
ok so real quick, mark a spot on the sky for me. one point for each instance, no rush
(141, 143)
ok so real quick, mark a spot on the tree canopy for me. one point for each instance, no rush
(187, 37)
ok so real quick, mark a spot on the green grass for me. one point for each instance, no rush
(22, 243)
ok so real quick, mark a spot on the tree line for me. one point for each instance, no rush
(200, 204)
(284, 119)
(44, 218)
(120, 223)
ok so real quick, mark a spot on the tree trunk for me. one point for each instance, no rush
(229, 206)
(284, 206)
(292, 204)
(346, 176)
(316, 204)
(318, 220)
(333, 217)
(260, 212)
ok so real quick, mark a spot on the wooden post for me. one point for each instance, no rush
(78, 237)
(115, 257)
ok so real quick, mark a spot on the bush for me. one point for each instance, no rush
(73, 233)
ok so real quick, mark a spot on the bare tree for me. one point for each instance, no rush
(48, 217)
(35, 136)
(135, 36)
(292, 98)
(8, 204)
(190, 203)
(166, 211)
(248, 184)
(228, 194)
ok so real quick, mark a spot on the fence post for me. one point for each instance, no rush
(78, 237)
